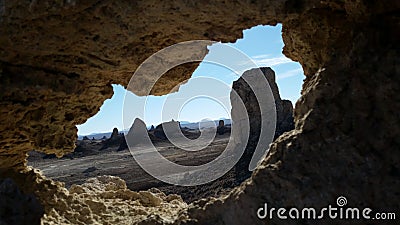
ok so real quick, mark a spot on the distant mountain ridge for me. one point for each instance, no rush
(195, 125)
(190, 125)
(95, 135)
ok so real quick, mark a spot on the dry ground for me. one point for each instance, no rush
(91, 162)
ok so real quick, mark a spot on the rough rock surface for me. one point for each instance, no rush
(101, 200)
(58, 59)
(17, 207)
(107, 200)
(345, 141)
(284, 114)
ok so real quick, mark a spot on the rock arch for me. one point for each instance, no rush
(58, 59)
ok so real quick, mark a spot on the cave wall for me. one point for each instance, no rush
(59, 58)
(346, 138)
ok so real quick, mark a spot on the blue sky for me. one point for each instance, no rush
(262, 43)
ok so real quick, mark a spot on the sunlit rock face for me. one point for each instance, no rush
(58, 59)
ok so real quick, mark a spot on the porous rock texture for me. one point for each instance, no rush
(58, 59)
(100, 200)
(17, 207)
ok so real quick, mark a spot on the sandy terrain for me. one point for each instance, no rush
(91, 161)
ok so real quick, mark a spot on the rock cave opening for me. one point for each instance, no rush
(101, 148)
(58, 59)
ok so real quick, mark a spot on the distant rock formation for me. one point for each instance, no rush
(123, 145)
(152, 128)
(221, 129)
(114, 141)
(114, 133)
(284, 115)
(159, 132)
(137, 134)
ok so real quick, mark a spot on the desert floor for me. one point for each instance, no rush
(91, 162)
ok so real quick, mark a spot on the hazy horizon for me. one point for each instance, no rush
(149, 126)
